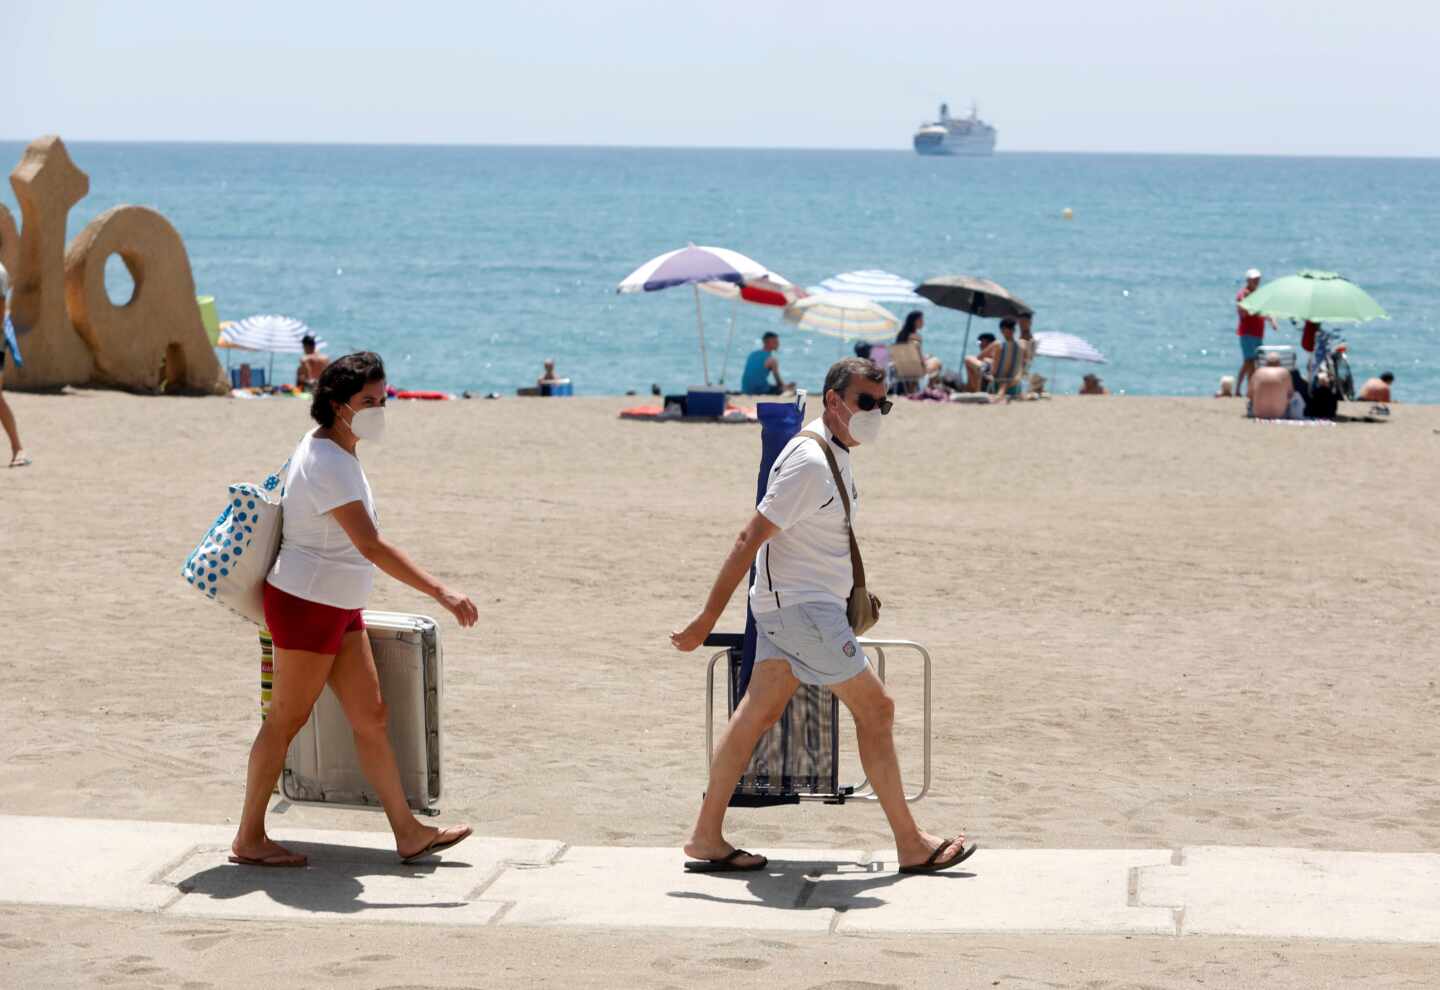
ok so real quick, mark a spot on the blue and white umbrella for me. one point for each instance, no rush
(875, 285)
(277, 334)
(692, 266)
(1066, 347)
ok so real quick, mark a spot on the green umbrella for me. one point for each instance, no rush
(1323, 297)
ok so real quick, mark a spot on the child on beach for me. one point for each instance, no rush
(329, 549)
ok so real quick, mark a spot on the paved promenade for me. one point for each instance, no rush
(181, 870)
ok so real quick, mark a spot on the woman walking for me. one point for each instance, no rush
(329, 548)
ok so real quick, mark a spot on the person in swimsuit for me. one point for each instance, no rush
(18, 458)
(329, 549)
(307, 373)
(1006, 360)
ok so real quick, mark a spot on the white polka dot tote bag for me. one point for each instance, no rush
(232, 560)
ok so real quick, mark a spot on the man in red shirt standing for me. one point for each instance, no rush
(1251, 331)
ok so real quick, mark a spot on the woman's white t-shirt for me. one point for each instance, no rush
(317, 560)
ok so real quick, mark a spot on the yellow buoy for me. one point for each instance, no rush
(1068, 213)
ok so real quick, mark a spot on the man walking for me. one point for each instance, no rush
(803, 579)
(1250, 330)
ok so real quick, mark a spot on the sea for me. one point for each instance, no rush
(466, 267)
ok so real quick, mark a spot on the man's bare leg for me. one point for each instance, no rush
(771, 685)
(874, 712)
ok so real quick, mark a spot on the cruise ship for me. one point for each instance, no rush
(950, 136)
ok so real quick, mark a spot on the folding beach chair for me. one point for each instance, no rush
(907, 368)
(799, 758)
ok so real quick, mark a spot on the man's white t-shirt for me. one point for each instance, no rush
(809, 559)
(317, 560)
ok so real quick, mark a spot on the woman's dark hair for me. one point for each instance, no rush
(908, 330)
(339, 382)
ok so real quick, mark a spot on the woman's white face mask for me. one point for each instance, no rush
(367, 424)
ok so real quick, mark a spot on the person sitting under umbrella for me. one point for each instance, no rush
(910, 333)
(977, 368)
(761, 365)
(311, 364)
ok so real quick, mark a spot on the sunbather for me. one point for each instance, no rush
(803, 633)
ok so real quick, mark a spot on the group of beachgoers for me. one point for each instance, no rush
(999, 368)
(1278, 390)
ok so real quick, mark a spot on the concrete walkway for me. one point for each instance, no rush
(182, 870)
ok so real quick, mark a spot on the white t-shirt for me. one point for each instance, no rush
(317, 561)
(809, 559)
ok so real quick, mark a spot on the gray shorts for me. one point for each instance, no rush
(816, 639)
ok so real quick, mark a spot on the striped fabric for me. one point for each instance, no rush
(875, 285)
(278, 334)
(267, 671)
(1067, 347)
(849, 317)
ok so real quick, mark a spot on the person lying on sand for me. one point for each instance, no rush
(801, 530)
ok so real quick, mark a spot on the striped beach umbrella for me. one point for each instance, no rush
(875, 285)
(1066, 347)
(692, 266)
(277, 334)
(848, 317)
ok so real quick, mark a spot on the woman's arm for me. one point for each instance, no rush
(358, 525)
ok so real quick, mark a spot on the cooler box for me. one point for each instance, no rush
(321, 766)
(705, 400)
(559, 387)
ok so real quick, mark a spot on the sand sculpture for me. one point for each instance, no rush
(71, 333)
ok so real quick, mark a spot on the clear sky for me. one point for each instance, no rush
(1223, 76)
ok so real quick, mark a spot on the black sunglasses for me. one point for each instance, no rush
(867, 402)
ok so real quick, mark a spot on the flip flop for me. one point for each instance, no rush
(725, 864)
(437, 845)
(931, 866)
(275, 861)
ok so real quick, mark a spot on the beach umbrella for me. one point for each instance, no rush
(1321, 297)
(975, 297)
(767, 290)
(1066, 347)
(692, 266)
(875, 285)
(276, 334)
(836, 314)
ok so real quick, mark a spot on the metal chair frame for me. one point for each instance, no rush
(854, 792)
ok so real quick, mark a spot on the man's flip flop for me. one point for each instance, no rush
(725, 864)
(437, 845)
(276, 860)
(931, 866)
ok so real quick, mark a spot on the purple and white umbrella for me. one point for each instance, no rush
(691, 266)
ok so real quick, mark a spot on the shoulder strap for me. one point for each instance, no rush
(857, 566)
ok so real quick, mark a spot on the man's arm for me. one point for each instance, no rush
(774, 364)
(736, 566)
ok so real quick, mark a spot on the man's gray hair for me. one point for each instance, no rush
(841, 372)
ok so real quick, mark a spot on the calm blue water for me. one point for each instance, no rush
(465, 267)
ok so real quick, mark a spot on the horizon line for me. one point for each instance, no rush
(718, 147)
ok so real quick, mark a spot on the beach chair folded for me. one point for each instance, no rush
(322, 767)
(799, 758)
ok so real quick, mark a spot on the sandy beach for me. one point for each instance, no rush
(1154, 623)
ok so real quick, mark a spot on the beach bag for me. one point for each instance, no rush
(230, 563)
(863, 608)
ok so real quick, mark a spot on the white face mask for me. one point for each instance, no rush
(864, 427)
(368, 424)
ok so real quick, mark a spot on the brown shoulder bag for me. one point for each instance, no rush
(863, 608)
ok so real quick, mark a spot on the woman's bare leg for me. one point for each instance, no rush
(357, 685)
(298, 680)
(7, 422)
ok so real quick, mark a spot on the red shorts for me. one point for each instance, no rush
(299, 624)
